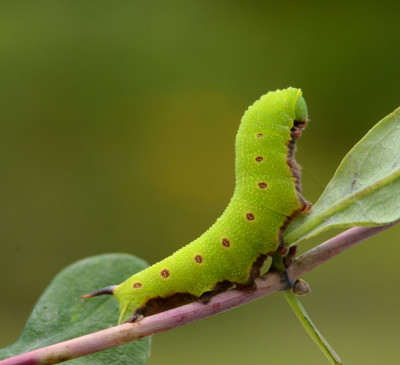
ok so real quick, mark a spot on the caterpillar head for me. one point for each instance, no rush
(301, 114)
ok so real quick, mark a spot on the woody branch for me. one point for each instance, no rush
(127, 332)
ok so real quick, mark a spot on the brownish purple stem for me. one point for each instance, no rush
(269, 283)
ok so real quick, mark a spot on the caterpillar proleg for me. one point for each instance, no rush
(231, 252)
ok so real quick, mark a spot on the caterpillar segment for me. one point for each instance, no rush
(231, 252)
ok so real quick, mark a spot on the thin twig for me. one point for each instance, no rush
(334, 246)
(269, 283)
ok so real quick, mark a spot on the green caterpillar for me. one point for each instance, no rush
(230, 253)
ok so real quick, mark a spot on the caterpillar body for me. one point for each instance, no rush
(230, 254)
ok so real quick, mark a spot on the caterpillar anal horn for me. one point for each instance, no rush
(107, 290)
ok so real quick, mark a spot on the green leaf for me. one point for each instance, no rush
(365, 188)
(60, 314)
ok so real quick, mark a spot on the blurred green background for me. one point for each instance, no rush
(117, 127)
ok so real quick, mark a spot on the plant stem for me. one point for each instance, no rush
(311, 329)
(267, 284)
(329, 249)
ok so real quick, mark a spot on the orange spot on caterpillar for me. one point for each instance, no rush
(262, 185)
(259, 159)
(164, 273)
(225, 242)
(250, 216)
(259, 135)
(137, 285)
(198, 259)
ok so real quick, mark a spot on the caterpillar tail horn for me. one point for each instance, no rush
(107, 290)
